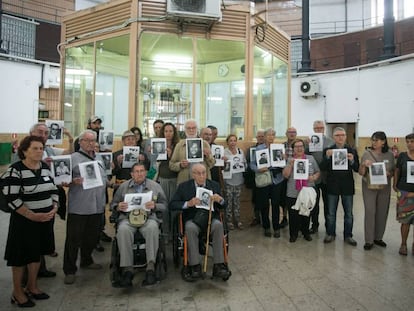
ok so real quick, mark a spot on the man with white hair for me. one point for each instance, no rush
(179, 162)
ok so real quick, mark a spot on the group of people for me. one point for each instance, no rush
(34, 198)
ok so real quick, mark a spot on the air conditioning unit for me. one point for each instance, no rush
(194, 9)
(308, 88)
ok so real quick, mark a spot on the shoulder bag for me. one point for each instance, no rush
(263, 179)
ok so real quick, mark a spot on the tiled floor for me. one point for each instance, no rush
(268, 274)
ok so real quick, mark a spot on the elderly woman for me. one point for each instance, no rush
(33, 198)
(376, 197)
(405, 206)
(299, 222)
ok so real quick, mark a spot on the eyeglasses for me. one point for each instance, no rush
(318, 128)
(191, 128)
(88, 140)
(291, 132)
(300, 146)
(339, 135)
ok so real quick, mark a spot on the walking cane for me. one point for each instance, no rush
(210, 209)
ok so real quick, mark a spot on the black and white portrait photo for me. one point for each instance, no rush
(262, 158)
(277, 152)
(91, 174)
(130, 156)
(106, 140)
(55, 136)
(106, 159)
(159, 148)
(300, 169)
(340, 159)
(137, 200)
(218, 152)
(316, 142)
(203, 195)
(377, 174)
(194, 149)
(61, 168)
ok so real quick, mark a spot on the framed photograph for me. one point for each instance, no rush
(237, 163)
(218, 152)
(55, 132)
(61, 168)
(204, 195)
(340, 159)
(159, 148)
(301, 169)
(410, 172)
(137, 200)
(378, 173)
(262, 158)
(106, 159)
(316, 142)
(277, 151)
(130, 156)
(91, 174)
(194, 149)
(106, 140)
(252, 154)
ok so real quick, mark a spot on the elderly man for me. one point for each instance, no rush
(319, 127)
(179, 162)
(149, 230)
(340, 183)
(185, 200)
(85, 210)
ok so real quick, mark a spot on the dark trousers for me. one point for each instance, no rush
(320, 188)
(82, 232)
(296, 222)
(272, 192)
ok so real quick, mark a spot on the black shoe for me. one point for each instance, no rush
(99, 248)
(284, 222)
(27, 304)
(126, 280)
(313, 230)
(40, 296)
(104, 237)
(46, 274)
(267, 233)
(307, 237)
(196, 271)
(150, 278)
(254, 222)
(350, 241)
(276, 234)
(368, 246)
(220, 270)
(380, 243)
(292, 239)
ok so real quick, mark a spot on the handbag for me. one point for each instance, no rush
(263, 179)
(137, 217)
(201, 219)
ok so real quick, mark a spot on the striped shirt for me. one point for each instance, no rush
(34, 189)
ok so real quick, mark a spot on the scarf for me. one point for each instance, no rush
(300, 183)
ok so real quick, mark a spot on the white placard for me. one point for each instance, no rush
(159, 148)
(227, 170)
(194, 150)
(61, 168)
(277, 151)
(130, 156)
(262, 158)
(204, 195)
(378, 173)
(237, 163)
(55, 128)
(316, 142)
(106, 158)
(410, 172)
(301, 169)
(217, 152)
(137, 200)
(91, 175)
(340, 159)
(106, 140)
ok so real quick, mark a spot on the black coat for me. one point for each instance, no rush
(186, 191)
(340, 181)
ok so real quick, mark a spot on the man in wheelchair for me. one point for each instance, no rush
(128, 223)
(196, 221)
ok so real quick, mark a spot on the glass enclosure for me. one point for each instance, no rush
(178, 78)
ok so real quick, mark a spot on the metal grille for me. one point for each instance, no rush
(189, 5)
(19, 37)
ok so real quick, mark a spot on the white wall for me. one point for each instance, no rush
(375, 97)
(19, 96)
(84, 4)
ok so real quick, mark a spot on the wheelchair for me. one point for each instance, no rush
(139, 255)
(180, 245)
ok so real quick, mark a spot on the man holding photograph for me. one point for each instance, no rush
(150, 230)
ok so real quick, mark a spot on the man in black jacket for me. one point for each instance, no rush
(185, 200)
(340, 183)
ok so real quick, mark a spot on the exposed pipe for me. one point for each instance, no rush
(389, 21)
(305, 38)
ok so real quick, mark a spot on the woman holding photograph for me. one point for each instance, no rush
(376, 197)
(166, 177)
(233, 186)
(405, 189)
(299, 222)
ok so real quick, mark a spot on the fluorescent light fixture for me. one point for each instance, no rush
(215, 98)
(172, 62)
(78, 72)
(99, 93)
(108, 93)
(68, 104)
(72, 81)
(258, 81)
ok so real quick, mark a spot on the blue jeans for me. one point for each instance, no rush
(347, 203)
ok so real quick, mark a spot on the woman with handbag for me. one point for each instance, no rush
(403, 184)
(376, 197)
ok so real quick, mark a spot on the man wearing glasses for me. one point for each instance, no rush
(340, 183)
(319, 127)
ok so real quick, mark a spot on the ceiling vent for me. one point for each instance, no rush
(309, 88)
(194, 9)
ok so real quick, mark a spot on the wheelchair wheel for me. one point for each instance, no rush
(114, 267)
(161, 263)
